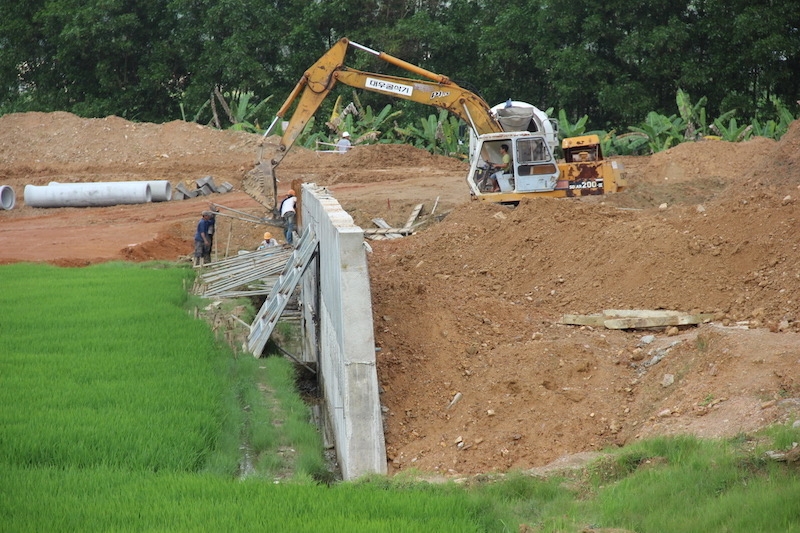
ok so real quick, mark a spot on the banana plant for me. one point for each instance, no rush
(196, 117)
(769, 129)
(785, 118)
(732, 132)
(569, 129)
(242, 110)
(632, 143)
(661, 132)
(425, 136)
(694, 115)
(309, 138)
(451, 141)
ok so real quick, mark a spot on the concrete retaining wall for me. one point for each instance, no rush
(339, 336)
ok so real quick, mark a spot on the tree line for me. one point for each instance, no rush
(613, 61)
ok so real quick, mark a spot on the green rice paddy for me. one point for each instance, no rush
(120, 411)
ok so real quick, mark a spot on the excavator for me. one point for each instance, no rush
(529, 136)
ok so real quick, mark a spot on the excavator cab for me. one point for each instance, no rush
(533, 166)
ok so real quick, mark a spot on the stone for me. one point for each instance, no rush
(667, 380)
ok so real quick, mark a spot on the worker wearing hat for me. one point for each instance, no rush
(344, 143)
(201, 238)
(288, 214)
(268, 242)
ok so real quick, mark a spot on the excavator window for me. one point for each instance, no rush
(532, 151)
(532, 155)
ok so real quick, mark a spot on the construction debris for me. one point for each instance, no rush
(203, 187)
(636, 319)
(385, 231)
(248, 274)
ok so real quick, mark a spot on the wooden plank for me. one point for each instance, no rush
(640, 313)
(390, 233)
(653, 322)
(382, 231)
(413, 216)
(583, 320)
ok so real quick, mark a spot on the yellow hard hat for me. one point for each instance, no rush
(267, 236)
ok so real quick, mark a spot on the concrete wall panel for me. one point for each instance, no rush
(339, 334)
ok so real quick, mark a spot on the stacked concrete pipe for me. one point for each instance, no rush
(97, 194)
(7, 197)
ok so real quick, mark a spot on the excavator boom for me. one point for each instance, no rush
(319, 80)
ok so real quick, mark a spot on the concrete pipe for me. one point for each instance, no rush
(7, 197)
(161, 190)
(88, 194)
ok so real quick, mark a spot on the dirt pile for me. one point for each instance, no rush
(469, 310)
(477, 373)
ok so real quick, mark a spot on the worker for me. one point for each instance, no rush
(201, 240)
(288, 215)
(344, 143)
(212, 225)
(502, 168)
(268, 242)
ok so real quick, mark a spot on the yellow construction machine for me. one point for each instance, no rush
(527, 132)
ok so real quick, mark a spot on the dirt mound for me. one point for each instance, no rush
(477, 373)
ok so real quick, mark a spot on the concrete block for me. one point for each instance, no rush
(207, 181)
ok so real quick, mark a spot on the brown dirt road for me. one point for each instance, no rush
(471, 304)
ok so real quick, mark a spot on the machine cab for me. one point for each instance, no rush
(534, 167)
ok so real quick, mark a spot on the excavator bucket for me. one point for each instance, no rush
(261, 185)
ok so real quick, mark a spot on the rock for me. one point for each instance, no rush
(796, 424)
(701, 208)
(536, 336)
(455, 400)
(667, 380)
(786, 200)
(647, 339)
(672, 331)
(662, 207)
(665, 413)
(637, 355)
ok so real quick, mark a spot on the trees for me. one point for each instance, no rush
(614, 61)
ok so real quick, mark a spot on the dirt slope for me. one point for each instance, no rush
(469, 308)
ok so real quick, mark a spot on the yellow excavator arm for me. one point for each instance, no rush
(318, 81)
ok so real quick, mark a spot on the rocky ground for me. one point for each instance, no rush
(469, 307)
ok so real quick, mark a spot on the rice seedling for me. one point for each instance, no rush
(121, 411)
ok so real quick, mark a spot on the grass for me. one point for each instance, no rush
(119, 410)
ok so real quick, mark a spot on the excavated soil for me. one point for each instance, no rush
(477, 373)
